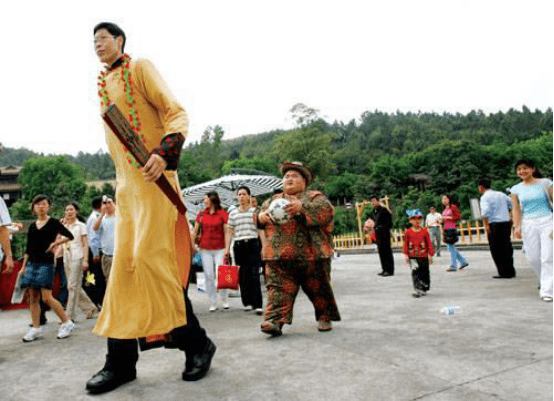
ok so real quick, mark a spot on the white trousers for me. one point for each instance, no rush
(77, 297)
(537, 242)
(211, 259)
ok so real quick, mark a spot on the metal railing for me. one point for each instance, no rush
(471, 233)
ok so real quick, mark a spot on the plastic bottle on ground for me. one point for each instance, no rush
(450, 310)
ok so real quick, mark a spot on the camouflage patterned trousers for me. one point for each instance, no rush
(284, 279)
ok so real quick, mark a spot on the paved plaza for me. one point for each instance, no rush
(388, 346)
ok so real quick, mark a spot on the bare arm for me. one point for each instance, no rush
(24, 265)
(486, 225)
(229, 233)
(98, 221)
(195, 232)
(85, 252)
(517, 216)
(5, 242)
(263, 240)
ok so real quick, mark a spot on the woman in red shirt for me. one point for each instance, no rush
(450, 215)
(211, 226)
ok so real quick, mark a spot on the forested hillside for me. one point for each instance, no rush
(411, 157)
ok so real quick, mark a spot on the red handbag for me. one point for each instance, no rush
(227, 277)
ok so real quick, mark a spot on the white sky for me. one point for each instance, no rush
(244, 64)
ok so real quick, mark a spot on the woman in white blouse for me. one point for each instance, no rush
(75, 260)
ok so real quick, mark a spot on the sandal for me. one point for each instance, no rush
(92, 313)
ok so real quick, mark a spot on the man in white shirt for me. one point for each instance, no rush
(495, 210)
(105, 226)
(433, 224)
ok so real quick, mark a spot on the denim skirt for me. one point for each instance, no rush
(38, 275)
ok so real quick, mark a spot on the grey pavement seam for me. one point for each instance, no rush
(549, 358)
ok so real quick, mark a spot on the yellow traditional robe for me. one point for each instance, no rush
(144, 296)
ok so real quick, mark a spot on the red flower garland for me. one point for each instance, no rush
(134, 120)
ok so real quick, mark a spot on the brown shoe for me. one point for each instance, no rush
(272, 328)
(324, 325)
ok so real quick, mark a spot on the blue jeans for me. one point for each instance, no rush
(456, 256)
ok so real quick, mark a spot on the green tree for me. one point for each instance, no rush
(309, 145)
(340, 188)
(345, 221)
(257, 163)
(303, 115)
(52, 176)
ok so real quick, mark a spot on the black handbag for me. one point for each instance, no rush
(450, 236)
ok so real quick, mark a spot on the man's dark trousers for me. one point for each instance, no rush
(385, 250)
(501, 248)
(123, 354)
(247, 256)
(98, 289)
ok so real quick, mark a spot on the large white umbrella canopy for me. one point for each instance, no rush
(226, 188)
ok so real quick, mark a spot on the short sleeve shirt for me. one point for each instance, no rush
(243, 224)
(433, 219)
(533, 198)
(213, 231)
(496, 206)
(93, 237)
(73, 250)
(453, 212)
(107, 235)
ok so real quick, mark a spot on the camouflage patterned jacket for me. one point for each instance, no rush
(307, 236)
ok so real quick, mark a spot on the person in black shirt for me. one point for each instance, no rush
(383, 225)
(37, 272)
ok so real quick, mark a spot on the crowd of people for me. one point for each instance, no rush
(58, 247)
(528, 211)
(141, 250)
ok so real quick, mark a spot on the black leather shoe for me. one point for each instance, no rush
(503, 276)
(106, 380)
(387, 274)
(380, 274)
(200, 363)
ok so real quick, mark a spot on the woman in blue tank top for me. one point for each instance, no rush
(532, 199)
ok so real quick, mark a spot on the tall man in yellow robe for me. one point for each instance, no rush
(145, 296)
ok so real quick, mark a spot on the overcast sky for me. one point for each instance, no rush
(243, 64)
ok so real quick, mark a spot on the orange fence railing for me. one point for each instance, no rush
(471, 233)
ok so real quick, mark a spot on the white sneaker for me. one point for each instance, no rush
(225, 305)
(32, 334)
(65, 329)
(247, 307)
(213, 307)
(259, 311)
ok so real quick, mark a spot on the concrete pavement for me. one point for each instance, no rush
(388, 346)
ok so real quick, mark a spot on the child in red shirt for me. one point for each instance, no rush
(419, 253)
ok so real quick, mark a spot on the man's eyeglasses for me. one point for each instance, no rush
(103, 38)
